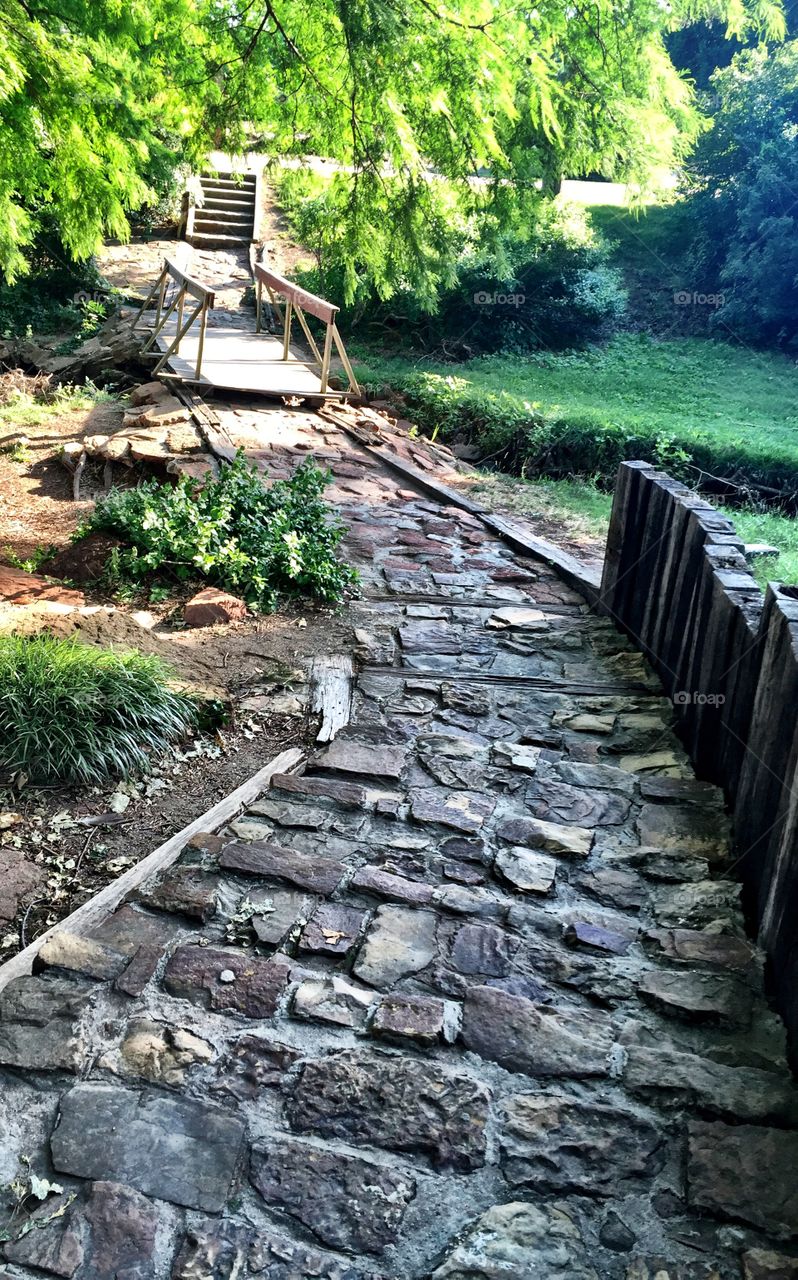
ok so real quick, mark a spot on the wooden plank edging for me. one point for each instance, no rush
(104, 902)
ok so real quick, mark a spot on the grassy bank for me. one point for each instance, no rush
(577, 512)
(690, 405)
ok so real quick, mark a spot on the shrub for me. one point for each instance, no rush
(72, 713)
(255, 540)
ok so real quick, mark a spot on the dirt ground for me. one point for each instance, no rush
(257, 666)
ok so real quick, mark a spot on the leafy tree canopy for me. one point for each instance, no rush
(96, 95)
(742, 184)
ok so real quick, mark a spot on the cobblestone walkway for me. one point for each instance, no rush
(470, 997)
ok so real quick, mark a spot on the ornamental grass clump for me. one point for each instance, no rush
(258, 541)
(75, 714)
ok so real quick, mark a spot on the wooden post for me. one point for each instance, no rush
(181, 297)
(201, 343)
(325, 363)
(181, 333)
(341, 349)
(300, 315)
(258, 305)
(161, 297)
(289, 313)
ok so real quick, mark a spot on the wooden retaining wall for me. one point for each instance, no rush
(675, 580)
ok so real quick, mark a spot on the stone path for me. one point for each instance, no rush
(470, 997)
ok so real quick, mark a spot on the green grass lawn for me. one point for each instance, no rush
(686, 404)
(578, 513)
(690, 404)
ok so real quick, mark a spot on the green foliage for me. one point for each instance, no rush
(689, 405)
(97, 97)
(258, 541)
(50, 298)
(741, 186)
(543, 284)
(34, 562)
(71, 713)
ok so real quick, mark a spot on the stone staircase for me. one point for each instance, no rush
(226, 217)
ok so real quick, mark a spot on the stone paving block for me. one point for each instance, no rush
(764, 1264)
(523, 1036)
(161, 1053)
(400, 941)
(386, 885)
(555, 1143)
(347, 794)
(63, 950)
(172, 1148)
(286, 814)
(698, 997)
(332, 930)
(614, 887)
(129, 928)
(516, 1240)
(368, 759)
(517, 755)
(254, 1063)
(108, 1236)
(692, 830)
(185, 890)
(704, 947)
(40, 1023)
(333, 1000)
(581, 933)
(275, 913)
(572, 841)
(213, 1251)
(421, 1020)
(394, 1102)
(745, 1092)
(582, 806)
(526, 870)
(464, 811)
(346, 1201)
(139, 970)
(482, 949)
(305, 870)
(226, 981)
(744, 1172)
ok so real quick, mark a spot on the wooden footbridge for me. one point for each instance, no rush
(190, 345)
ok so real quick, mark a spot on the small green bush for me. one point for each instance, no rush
(71, 713)
(258, 541)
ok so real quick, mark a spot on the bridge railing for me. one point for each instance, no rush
(289, 301)
(201, 300)
(676, 581)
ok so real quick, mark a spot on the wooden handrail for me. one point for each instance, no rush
(297, 302)
(186, 285)
(190, 286)
(318, 307)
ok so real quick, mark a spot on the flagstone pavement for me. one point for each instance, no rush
(470, 997)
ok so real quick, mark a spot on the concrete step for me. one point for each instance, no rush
(227, 184)
(212, 240)
(213, 222)
(230, 202)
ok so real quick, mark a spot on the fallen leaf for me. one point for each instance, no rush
(9, 820)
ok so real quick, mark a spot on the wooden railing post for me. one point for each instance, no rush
(325, 360)
(289, 315)
(201, 343)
